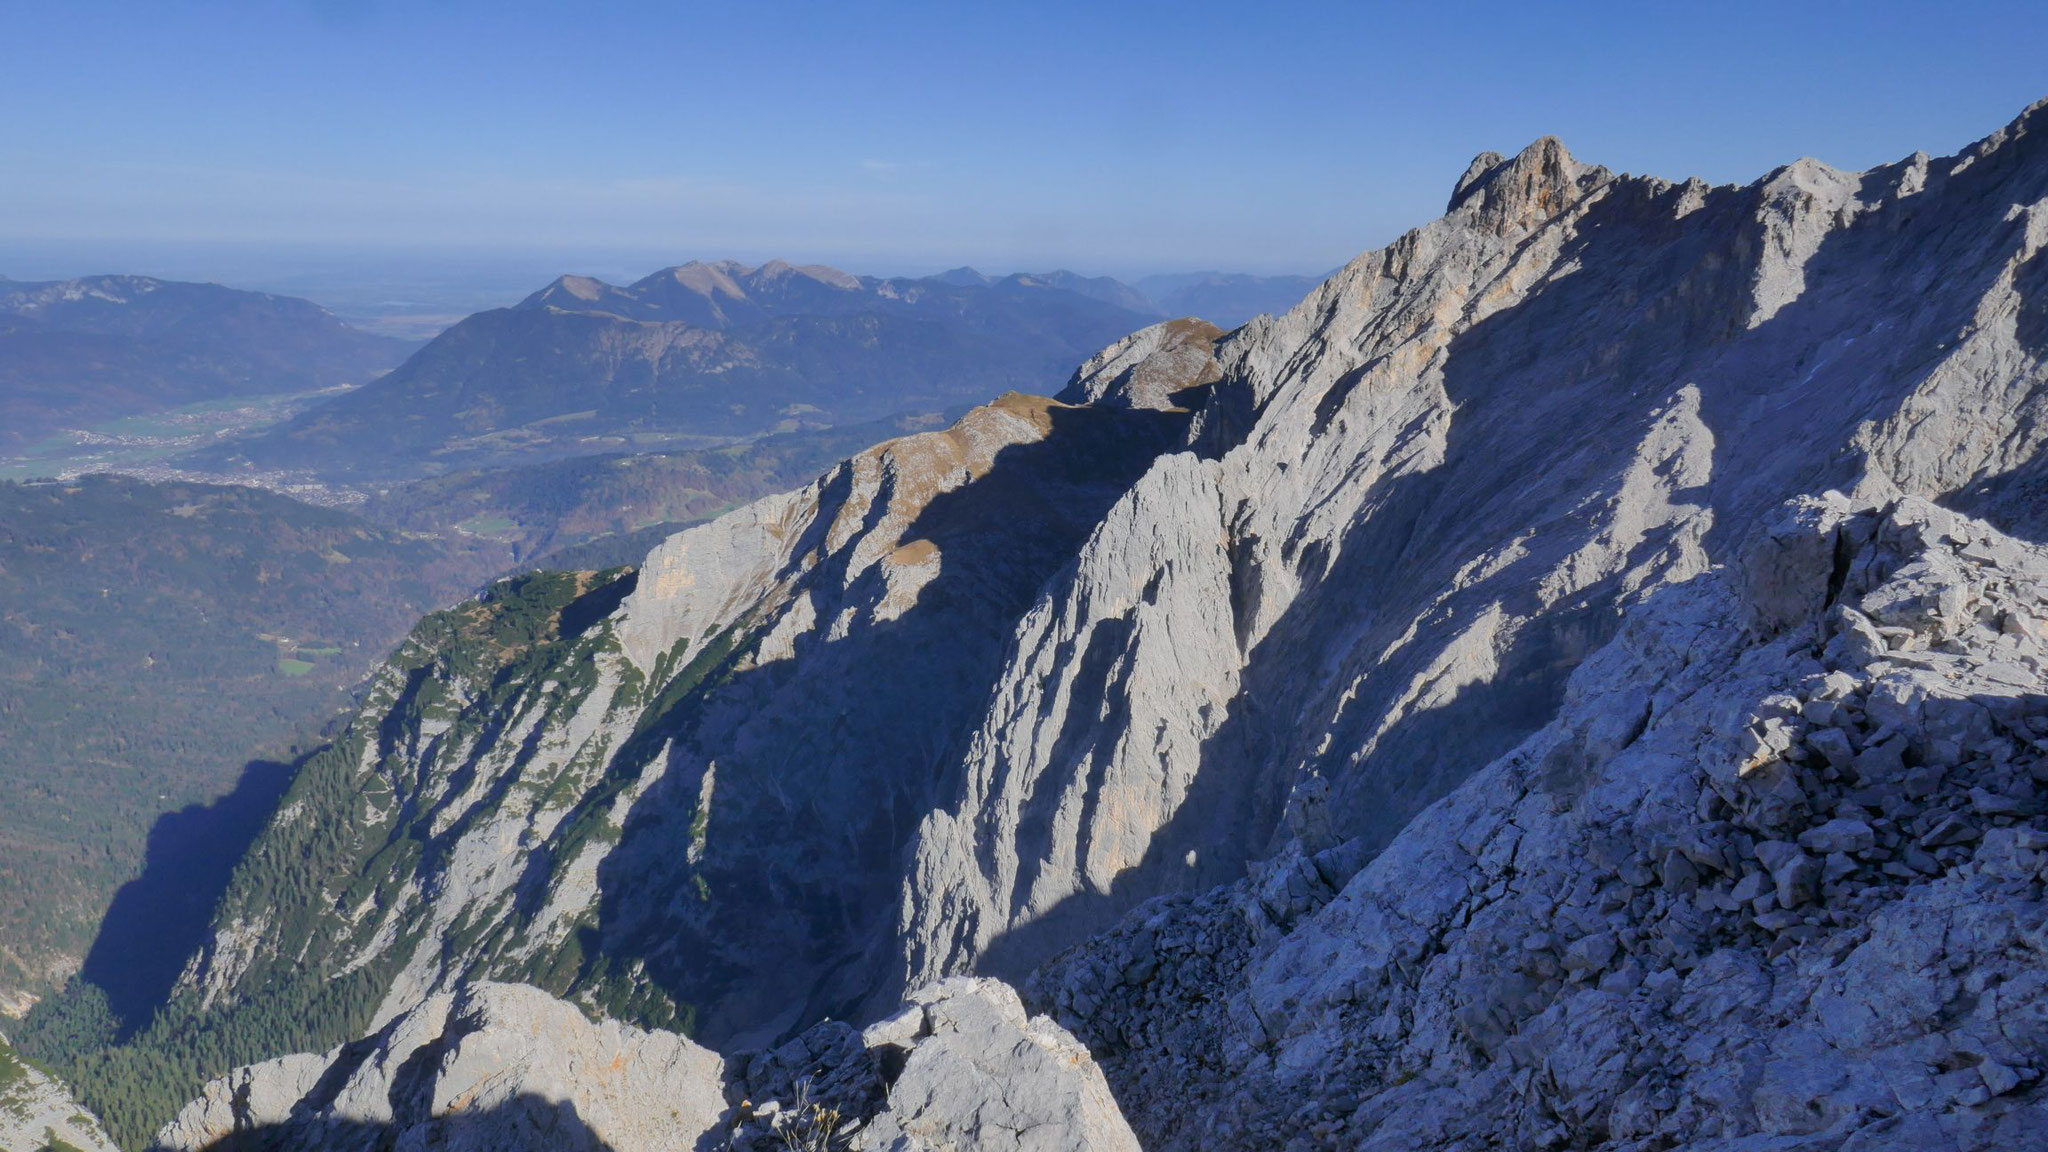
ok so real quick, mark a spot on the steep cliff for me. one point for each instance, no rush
(681, 794)
(1425, 494)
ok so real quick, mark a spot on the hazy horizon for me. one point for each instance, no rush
(417, 291)
(1107, 139)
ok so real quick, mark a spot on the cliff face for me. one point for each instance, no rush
(685, 792)
(1425, 494)
(1278, 596)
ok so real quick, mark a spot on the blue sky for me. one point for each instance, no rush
(1107, 137)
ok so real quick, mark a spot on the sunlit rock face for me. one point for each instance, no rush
(1426, 494)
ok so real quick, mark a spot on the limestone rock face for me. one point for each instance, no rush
(1164, 366)
(1429, 491)
(754, 720)
(1746, 891)
(981, 1073)
(492, 1067)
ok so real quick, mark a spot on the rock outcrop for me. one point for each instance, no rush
(494, 1066)
(961, 1066)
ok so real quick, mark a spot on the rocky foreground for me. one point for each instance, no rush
(501, 1066)
(1572, 612)
(1771, 879)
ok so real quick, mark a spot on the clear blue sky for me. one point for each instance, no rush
(1104, 136)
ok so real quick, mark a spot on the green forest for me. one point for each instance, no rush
(154, 639)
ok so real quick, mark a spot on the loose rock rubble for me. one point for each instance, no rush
(1771, 880)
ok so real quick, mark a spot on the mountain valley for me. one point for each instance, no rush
(79, 352)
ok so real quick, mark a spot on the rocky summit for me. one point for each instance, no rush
(1575, 681)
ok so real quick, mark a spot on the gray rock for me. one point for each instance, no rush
(1839, 835)
(988, 1076)
(1770, 1012)
(493, 1067)
(1491, 533)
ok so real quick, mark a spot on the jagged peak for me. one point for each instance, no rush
(2030, 124)
(1481, 164)
(1536, 184)
(1807, 173)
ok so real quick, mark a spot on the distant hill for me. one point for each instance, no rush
(154, 638)
(690, 357)
(99, 347)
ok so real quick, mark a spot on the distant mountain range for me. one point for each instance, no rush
(689, 357)
(100, 347)
(703, 354)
